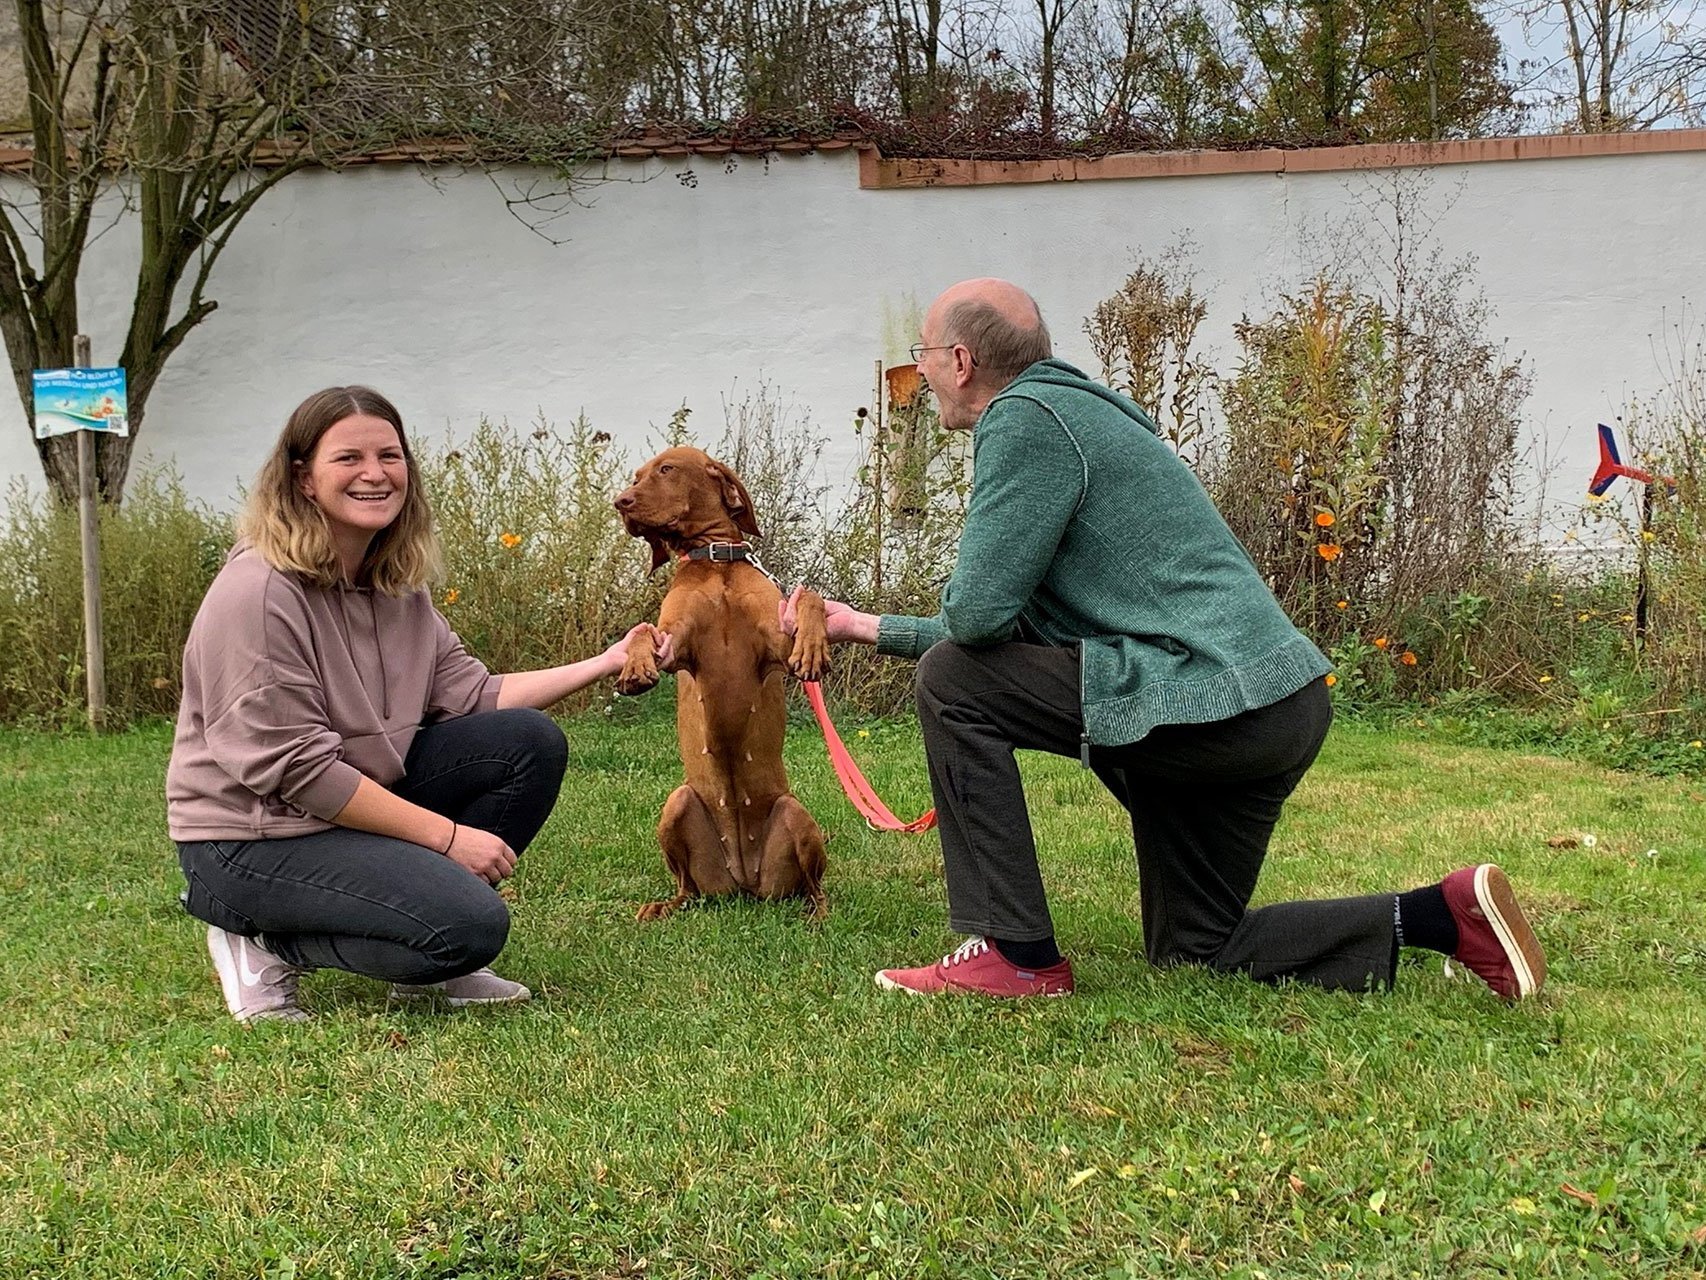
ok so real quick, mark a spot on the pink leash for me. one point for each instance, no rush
(865, 800)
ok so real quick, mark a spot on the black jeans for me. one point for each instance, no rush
(1203, 800)
(374, 905)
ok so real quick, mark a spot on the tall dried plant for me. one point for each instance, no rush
(1144, 337)
(1303, 473)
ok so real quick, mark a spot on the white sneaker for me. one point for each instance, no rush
(257, 984)
(480, 987)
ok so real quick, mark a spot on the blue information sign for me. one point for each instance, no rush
(80, 400)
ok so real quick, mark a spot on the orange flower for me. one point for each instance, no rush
(1325, 519)
(1343, 604)
(1331, 679)
(1329, 551)
(452, 596)
(1380, 642)
(1407, 658)
(510, 540)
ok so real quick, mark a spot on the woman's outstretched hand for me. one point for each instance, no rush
(663, 648)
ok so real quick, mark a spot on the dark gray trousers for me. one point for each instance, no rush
(386, 908)
(1203, 800)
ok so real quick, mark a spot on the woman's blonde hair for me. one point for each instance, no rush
(289, 530)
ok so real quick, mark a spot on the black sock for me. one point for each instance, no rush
(1424, 920)
(1028, 955)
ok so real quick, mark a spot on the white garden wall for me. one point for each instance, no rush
(791, 272)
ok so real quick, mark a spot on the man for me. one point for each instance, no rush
(1101, 608)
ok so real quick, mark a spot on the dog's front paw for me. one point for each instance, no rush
(810, 657)
(638, 675)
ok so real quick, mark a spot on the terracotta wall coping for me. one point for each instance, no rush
(878, 172)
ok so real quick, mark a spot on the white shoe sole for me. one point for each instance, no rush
(886, 983)
(1498, 903)
(457, 1002)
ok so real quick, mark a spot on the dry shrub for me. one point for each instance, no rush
(539, 570)
(159, 551)
(1301, 472)
(1671, 432)
(777, 454)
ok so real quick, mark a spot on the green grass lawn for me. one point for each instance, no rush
(726, 1094)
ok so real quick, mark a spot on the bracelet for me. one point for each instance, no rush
(451, 841)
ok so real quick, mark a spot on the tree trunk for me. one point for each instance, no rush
(58, 456)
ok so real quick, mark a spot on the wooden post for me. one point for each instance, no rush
(879, 486)
(88, 512)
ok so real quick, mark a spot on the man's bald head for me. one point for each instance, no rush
(998, 322)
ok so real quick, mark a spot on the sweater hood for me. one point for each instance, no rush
(1058, 373)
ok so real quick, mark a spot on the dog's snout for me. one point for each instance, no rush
(625, 499)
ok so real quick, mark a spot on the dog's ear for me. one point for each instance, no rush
(735, 499)
(660, 551)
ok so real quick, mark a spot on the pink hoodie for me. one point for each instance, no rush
(293, 692)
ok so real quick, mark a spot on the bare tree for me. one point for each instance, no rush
(188, 112)
(146, 82)
(1169, 66)
(1627, 64)
(1052, 16)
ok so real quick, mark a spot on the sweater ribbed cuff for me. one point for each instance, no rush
(900, 636)
(326, 796)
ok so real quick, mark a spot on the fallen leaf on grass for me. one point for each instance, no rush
(1080, 1178)
(1563, 842)
(1698, 1235)
(1297, 1184)
(1576, 1193)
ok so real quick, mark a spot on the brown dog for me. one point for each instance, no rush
(733, 826)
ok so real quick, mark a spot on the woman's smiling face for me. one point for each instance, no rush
(358, 476)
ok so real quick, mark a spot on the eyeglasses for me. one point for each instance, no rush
(918, 349)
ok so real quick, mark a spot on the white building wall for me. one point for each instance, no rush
(666, 293)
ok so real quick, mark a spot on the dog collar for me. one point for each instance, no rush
(722, 552)
(728, 553)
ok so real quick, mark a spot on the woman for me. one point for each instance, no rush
(348, 785)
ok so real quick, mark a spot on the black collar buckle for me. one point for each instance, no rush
(721, 552)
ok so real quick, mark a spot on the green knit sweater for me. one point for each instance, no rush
(1087, 528)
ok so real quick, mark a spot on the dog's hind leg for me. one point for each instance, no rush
(793, 859)
(692, 851)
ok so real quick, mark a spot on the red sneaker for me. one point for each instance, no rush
(978, 969)
(1494, 940)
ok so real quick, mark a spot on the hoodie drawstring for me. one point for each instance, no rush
(378, 648)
